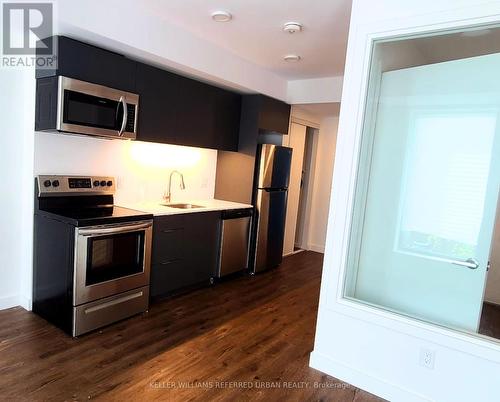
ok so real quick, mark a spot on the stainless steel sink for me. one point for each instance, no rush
(183, 206)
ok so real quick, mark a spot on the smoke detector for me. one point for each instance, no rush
(292, 27)
(292, 58)
(221, 16)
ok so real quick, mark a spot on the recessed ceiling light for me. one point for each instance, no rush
(292, 27)
(221, 16)
(291, 58)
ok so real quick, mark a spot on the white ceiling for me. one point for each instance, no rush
(255, 33)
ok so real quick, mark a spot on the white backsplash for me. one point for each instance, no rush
(141, 169)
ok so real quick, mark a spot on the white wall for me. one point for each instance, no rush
(322, 184)
(142, 169)
(370, 348)
(315, 90)
(10, 160)
(16, 105)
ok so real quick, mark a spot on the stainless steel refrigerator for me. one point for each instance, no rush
(272, 174)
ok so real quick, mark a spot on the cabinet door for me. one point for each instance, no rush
(196, 114)
(92, 64)
(168, 277)
(185, 251)
(158, 107)
(202, 243)
(274, 115)
(227, 119)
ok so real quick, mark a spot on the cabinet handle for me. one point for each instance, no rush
(170, 230)
(169, 262)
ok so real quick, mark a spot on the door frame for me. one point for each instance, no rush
(305, 244)
(308, 196)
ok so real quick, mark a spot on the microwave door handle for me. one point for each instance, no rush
(125, 115)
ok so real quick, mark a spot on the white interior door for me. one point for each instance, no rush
(297, 140)
(432, 192)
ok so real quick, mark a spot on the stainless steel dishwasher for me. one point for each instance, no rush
(235, 240)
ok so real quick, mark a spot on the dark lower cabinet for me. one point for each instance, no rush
(185, 251)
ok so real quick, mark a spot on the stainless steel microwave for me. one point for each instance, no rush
(90, 109)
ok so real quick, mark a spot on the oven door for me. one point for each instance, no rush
(86, 108)
(111, 259)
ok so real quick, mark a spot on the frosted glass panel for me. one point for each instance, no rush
(444, 188)
(427, 188)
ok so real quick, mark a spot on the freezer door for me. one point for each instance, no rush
(273, 167)
(271, 214)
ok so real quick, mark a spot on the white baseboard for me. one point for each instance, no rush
(9, 301)
(316, 247)
(293, 252)
(362, 380)
(25, 303)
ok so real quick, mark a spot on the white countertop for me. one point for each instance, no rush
(155, 207)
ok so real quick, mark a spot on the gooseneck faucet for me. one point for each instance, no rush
(168, 195)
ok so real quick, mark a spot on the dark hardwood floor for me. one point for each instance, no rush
(490, 320)
(244, 339)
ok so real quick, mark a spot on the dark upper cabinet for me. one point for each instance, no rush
(172, 109)
(89, 63)
(196, 114)
(179, 110)
(273, 115)
(227, 119)
(158, 93)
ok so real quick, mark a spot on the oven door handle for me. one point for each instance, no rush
(114, 230)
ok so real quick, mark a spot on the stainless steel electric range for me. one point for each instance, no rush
(91, 258)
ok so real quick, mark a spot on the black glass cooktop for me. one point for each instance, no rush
(96, 215)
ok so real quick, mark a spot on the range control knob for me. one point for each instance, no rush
(96, 183)
(109, 183)
(103, 183)
(47, 183)
(55, 183)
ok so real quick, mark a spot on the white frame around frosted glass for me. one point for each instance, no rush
(342, 200)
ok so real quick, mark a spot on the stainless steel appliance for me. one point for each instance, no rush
(86, 108)
(235, 241)
(272, 175)
(91, 258)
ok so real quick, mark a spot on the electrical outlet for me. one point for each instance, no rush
(427, 358)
